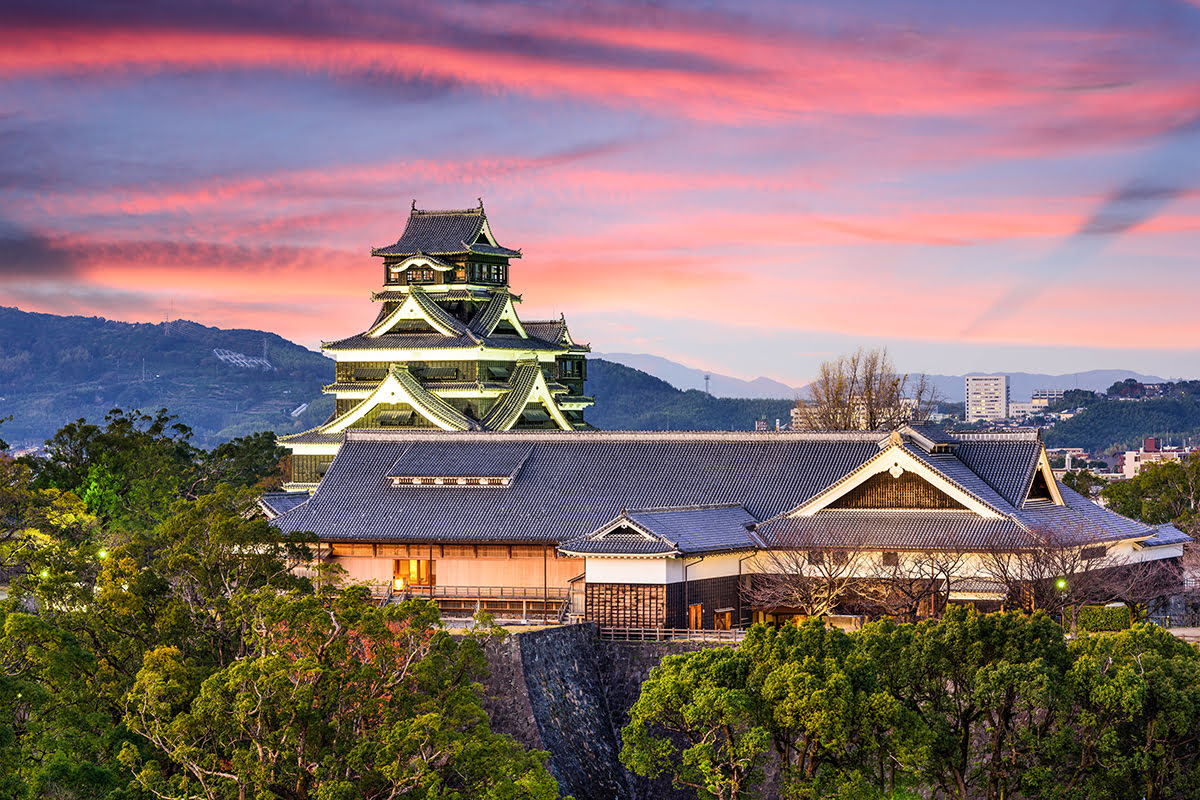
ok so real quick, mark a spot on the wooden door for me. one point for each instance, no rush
(723, 620)
(695, 613)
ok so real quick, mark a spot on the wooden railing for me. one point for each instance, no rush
(616, 633)
(552, 593)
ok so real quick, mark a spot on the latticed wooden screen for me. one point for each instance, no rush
(627, 604)
(907, 491)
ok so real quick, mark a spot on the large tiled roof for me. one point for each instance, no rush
(443, 233)
(1080, 520)
(571, 484)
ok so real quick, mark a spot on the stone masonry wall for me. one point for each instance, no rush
(563, 691)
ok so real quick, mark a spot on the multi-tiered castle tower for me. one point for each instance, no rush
(446, 349)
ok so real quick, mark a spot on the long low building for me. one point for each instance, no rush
(666, 529)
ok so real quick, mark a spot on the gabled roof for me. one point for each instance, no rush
(276, 503)
(443, 233)
(669, 531)
(400, 386)
(499, 307)
(529, 385)
(419, 305)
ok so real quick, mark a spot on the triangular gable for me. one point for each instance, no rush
(485, 233)
(896, 461)
(622, 537)
(528, 386)
(418, 306)
(1044, 470)
(401, 387)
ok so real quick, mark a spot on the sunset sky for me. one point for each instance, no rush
(745, 187)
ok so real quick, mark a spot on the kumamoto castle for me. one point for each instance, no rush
(458, 465)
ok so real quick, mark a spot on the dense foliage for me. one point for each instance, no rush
(54, 368)
(973, 706)
(1122, 425)
(1162, 492)
(1093, 619)
(628, 399)
(161, 640)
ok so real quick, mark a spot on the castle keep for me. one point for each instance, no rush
(446, 350)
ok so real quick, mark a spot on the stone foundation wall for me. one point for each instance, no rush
(563, 691)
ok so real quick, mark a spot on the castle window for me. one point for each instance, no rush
(891, 559)
(420, 276)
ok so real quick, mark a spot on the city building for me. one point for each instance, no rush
(1044, 397)
(1152, 451)
(446, 349)
(987, 397)
(666, 529)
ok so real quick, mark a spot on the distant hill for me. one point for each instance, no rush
(629, 399)
(685, 378)
(953, 388)
(56, 369)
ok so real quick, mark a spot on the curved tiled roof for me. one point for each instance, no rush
(489, 316)
(443, 233)
(429, 403)
(505, 413)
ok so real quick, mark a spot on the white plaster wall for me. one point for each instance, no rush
(626, 570)
(715, 566)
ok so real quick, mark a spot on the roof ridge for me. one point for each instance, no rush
(691, 507)
(1018, 435)
(425, 212)
(765, 436)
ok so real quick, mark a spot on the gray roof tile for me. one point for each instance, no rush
(443, 233)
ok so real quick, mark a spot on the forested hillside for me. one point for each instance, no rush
(1124, 424)
(55, 369)
(628, 399)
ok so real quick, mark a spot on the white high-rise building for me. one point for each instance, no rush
(987, 397)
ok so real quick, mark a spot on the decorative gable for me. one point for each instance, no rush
(870, 487)
(906, 491)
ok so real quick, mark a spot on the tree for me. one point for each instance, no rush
(1135, 728)
(804, 575)
(987, 690)
(863, 391)
(1162, 492)
(697, 720)
(338, 698)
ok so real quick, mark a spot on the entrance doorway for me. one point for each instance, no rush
(723, 619)
(695, 614)
(412, 572)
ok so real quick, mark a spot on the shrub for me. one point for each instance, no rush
(1094, 619)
